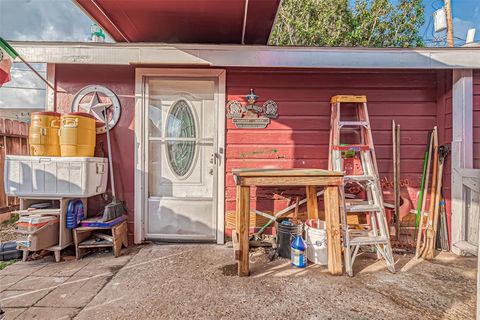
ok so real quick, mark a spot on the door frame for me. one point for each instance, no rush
(141, 135)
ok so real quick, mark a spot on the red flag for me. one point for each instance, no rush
(5, 66)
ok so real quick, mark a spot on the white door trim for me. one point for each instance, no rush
(462, 148)
(141, 74)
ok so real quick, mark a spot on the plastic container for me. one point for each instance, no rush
(41, 238)
(298, 248)
(77, 135)
(75, 213)
(33, 223)
(43, 134)
(316, 238)
(75, 177)
(286, 231)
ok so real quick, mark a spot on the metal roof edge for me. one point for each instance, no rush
(249, 55)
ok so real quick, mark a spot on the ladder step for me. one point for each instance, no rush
(352, 147)
(353, 123)
(368, 240)
(362, 208)
(360, 178)
(348, 98)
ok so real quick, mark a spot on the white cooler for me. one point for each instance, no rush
(32, 176)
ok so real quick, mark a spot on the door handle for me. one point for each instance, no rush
(215, 158)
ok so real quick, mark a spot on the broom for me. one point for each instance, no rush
(115, 208)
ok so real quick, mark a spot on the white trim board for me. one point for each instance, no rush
(141, 74)
(462, 148)
(249, 56)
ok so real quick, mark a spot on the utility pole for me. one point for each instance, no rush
(448, 13)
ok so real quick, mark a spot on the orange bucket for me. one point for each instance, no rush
(43, 134)
(77, 135)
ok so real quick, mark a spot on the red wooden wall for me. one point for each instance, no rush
(121, 80)
(476, 119)
(417, 100)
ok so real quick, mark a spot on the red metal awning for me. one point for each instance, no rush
(184, 21)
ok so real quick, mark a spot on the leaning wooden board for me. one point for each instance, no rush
(310, 178)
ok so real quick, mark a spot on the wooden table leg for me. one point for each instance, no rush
(243, 219)
(332, 217)
(312, 204)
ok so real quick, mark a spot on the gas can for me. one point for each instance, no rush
(298, 249)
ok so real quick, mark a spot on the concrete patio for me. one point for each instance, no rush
(200, 282)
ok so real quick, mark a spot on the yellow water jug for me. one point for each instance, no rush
(43, 134)
(77, 135)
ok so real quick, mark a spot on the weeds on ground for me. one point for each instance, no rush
(4, 264)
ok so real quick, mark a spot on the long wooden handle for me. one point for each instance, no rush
(423, 195)
(428, 226)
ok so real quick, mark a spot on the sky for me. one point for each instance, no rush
(62, 20)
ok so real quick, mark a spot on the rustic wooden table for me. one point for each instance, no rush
(311, 178)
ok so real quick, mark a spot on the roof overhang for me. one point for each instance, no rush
(184, 21)
(248, 56)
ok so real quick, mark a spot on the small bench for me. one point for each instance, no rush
(108, 237)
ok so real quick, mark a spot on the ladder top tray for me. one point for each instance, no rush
(346, 98)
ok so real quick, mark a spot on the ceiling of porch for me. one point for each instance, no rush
(185, 21)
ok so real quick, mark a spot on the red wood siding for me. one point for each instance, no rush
(121, 80)
(476, 119)
(417, 100)
(299, 137)
(444, 123)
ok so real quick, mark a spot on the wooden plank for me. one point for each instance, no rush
(290, 181)
(119, 233)
(290, 136)
(312, 203)
(332, 217)
(310, 151)
(324, 94)
(264, 173)
(315, 79)
(473, 215)
(346, 98)
(320, 122)
(235, 244)
(243, 212)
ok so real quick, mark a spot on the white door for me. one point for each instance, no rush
(181, 159)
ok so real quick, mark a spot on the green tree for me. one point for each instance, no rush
(368, 23)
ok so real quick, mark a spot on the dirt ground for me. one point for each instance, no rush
(7, 230)
(200, 282)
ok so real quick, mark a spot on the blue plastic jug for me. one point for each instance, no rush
(75, 213)
(298, 249)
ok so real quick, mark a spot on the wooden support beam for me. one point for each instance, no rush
(332, 217)
(312, 204)
(243, 212)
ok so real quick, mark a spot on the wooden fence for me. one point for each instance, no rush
(13, 140)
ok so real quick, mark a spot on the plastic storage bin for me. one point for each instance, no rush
(79, 177)
(34, 222)
(77, 135)
(43, 134)
(39, 238)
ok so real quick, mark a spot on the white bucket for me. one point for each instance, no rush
(316, 235)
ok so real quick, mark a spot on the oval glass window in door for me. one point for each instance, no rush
(180, 138)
